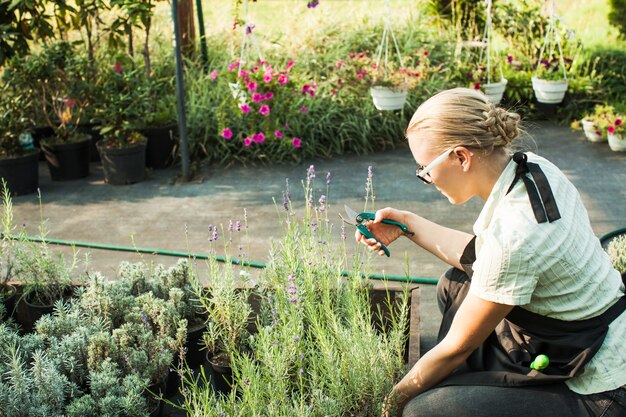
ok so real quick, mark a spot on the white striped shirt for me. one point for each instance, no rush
(556, 269)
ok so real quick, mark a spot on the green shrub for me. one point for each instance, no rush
(617, 15)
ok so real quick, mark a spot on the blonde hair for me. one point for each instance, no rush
(464, 117)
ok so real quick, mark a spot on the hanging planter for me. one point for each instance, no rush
(549, 86)
(549, 91)
(495, 91)
(386, 98)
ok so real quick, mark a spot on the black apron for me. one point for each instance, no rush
(504, 358)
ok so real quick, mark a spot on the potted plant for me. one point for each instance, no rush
(550, 79)
(391, 81)
(595, 125)
(62, 94)
(122, 148)
(491, 82)
(616, 133)
(7, 290)
(19, 166)
(160, 122)
(616, 249)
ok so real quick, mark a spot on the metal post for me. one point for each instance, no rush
(180, 96)
(203, 49)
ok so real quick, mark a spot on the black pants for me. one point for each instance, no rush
(477, 401)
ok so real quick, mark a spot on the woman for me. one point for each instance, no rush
(533, 281)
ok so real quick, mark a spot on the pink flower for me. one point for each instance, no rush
(278, 134)
(312, 93)
(296, 142)
(618, 122)
(268, 96)
(118, 68)
(290, 64)
(282, 79)
(509, 58)
(255, 69)
(247, 141)
(611, 129)
(359, 76)
(227, 133)
(339, 80)
(252, 86)
(213, 75)
(305, 88)
(339, 64)
(425, 53)
(232, 66)
(245, 108)
(257, 98)
(303, 109)
(476, 86)
(243, 73)
(267, 77)
(258, 137)
(264, 110)
(352, 55)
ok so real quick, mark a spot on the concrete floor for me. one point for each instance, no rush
(165, 214)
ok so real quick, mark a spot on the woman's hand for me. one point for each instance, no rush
(385, 233)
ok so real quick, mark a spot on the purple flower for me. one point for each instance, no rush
(296, 338)
(210, 228)
(230, 225)
(304, 109)
(291, 277)
(292, 290)
(310, 173)
(215, 235)
(249, 28)
(312, 4)
(238, 225)
(322, 202)
(264, 110)
(268, 96)
(227, 133)
(293, 300)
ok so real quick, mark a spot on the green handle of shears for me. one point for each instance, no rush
(368, 235)
(371, 216)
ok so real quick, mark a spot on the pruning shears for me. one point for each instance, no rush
(360, 220)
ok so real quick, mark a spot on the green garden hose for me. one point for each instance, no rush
(178, 254)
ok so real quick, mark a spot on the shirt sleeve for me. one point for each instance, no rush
(504, 272)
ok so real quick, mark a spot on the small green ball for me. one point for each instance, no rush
(540, 362)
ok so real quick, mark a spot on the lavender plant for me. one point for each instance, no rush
(316, 350)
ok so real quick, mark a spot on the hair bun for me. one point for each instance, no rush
(502, 124)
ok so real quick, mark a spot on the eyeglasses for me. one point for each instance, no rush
(423, 172)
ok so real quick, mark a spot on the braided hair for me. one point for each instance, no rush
(464, 117)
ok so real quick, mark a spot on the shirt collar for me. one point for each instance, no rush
(497, 193)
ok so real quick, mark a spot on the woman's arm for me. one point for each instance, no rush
(445, 243)
(472, 324)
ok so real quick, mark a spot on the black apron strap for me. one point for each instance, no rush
(540, 195)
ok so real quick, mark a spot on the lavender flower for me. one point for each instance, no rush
(215, 235)
(296, 338)
(292, 290)
(291, 277)
(311, 172)
(144, 319)
(230, 225)
(210, 228)
(328, 178)
(238, 226)
(343, 231)
(322, 202)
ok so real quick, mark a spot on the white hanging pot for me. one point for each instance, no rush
(549, 91)
(386, 98)
(495, 91)
(617, 143)
(592, 132)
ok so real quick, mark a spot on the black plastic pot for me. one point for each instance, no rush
(221, 375)
(160, 149)
(68, 161)
(155, 405)
(123, 166)
(27, 314)
(21, 173)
